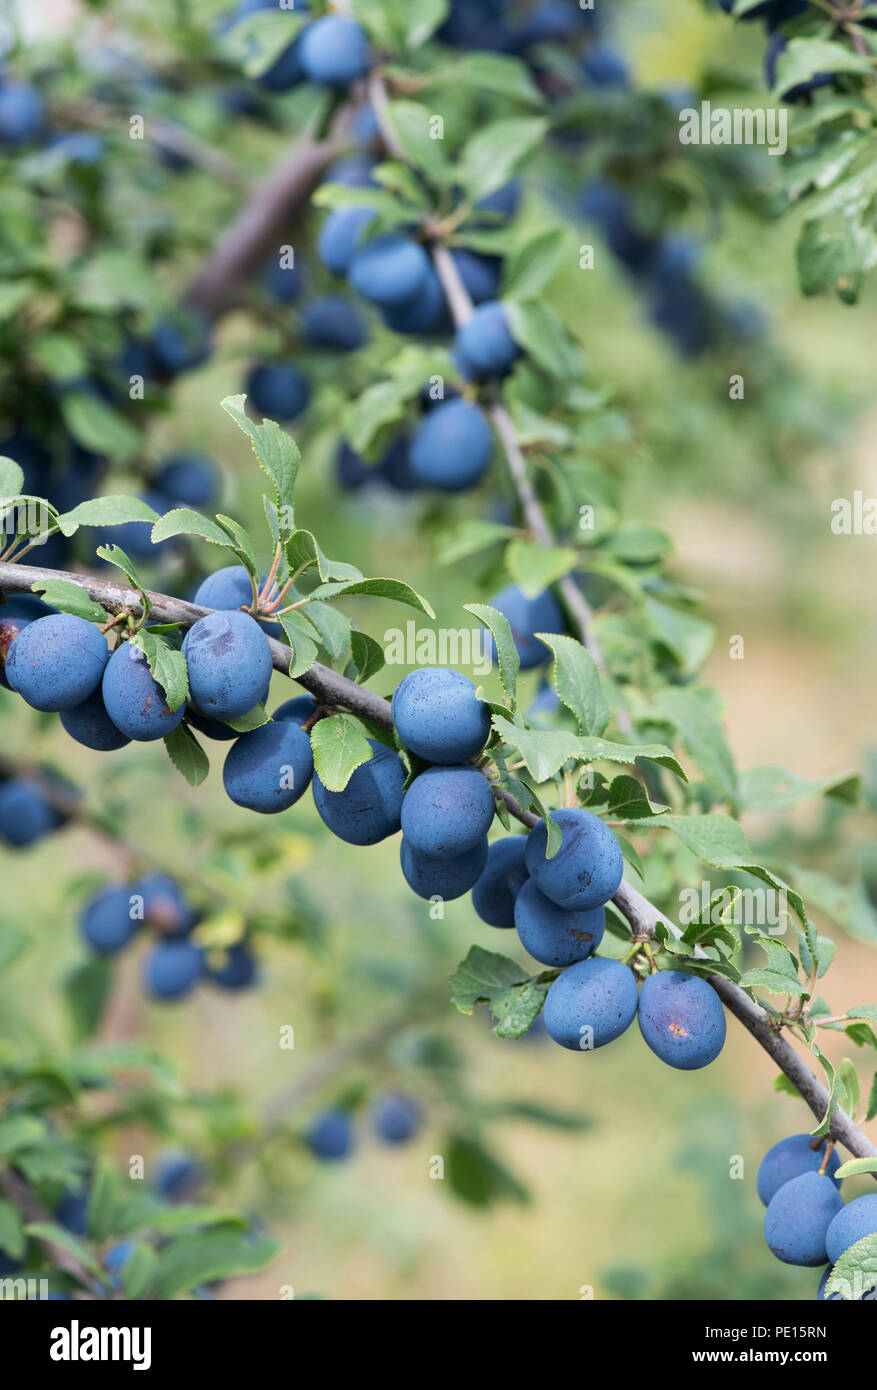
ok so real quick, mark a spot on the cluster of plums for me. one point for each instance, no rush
(175, 963)
(807, 1221)
(395, 1119)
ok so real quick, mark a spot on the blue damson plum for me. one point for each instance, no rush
(389, 270)
(452, 447)
(789, 1159)
(604, 66)
(427, 312)
(681, 1019)
(300, 709)
(586, 870)
(229, 662)
(234, 968)
(331, 1135)
(211, 728)
(179, 345)
(22, 113)
(798, 1218)
(396, 1118)
(107, 923)
(332, 322)
(228, 588)
(178, 1177)
(90, 725)
(270, 768)
(505, 874)
(334, 51)
(340, 236)
(552, 935)
(439, 716)
(165, 907)
(442, 878)
(16, 613)
(850, 1224)
(189, 480)
(26, 814)
(278, 391)
(134, 700)
(591, 1004)
(447, 811)
(527, 616)
(480, 274)
(172, 969)
(484, 345)
(369, 809)
(283, 282)
(57, 662)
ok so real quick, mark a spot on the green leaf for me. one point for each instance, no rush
(490, 156)
(12, 1238)
(469, 538)
(514, 996)
(687, 636)
(206, 1258)
(629, 800)
(334, 629)
(855, 1272)
(802, 59)
(103, 1201)
(257, 40)
(534, 262)
(300, 633)
(86, 991)
(533, 566)
(394, 589)
(701, 733)
(872, 1101)
(167, 664)
(367, 655)
(422, 18)
(182, 521)
(11, 477)
(139, 1271)
(593, 749)
(253, 719)
(303, 551)
(476, 1177)
(487, 72)
(540, 332)
(277, 452)
(411, 124)
(187, 755)
(100, 427)
(115, 555)
(845, 903)
(507, 652)
(105, 511)
(70, 597)
(772, 788)
(577, 681)
(60, 356)
(339, 748)
(544, 750)
(48, 1231)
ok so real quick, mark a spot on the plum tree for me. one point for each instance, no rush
(134, 700)
(56, 662)
(798, 1217)
(89, 724)
(106, 923)
(789, 1159)
(452, 447)
(369, 809)
(484, 345)
(499, 886)
(681, 1019)
(447, 811)
(591, 1004)
(439, 716)
(334, 50)
(278, 390)
(442, 878)
(396, 1118)
(389, 270)
(527, 616)
(551, 934)
(331, 1135)
(172, 969)
(851, 1223)
(229, 664)
(269, 768)
(586, 870)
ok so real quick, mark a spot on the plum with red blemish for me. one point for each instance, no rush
(682, 1019)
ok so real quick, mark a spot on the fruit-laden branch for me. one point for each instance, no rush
(264, 222)
(333, 689)
(32, 1210)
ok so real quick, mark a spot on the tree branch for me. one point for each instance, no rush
(331, 688)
